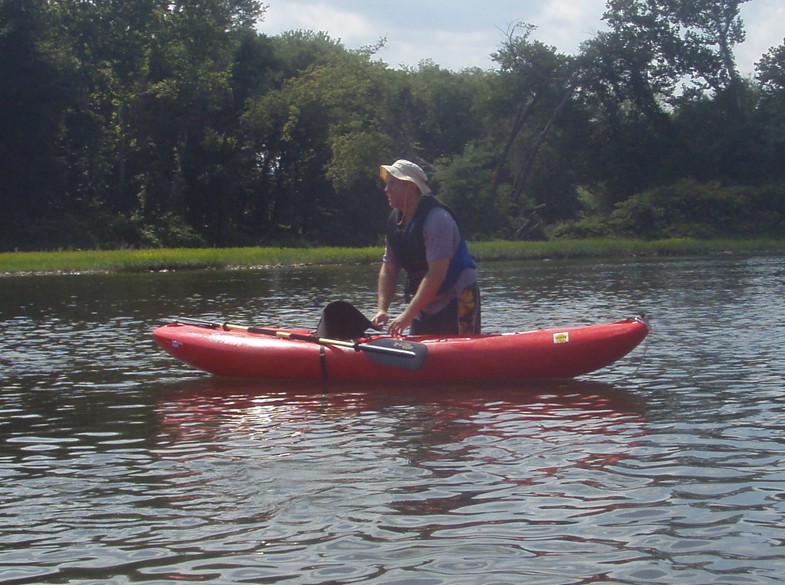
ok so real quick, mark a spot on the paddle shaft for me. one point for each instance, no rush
(391, 351)
(224, 326)
(346, 343)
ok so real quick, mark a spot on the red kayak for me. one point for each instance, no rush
(299, 355)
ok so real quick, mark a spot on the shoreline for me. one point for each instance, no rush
(259, 258)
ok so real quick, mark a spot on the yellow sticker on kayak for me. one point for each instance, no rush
(561, 337)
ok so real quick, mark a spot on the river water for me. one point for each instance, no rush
(120, 465)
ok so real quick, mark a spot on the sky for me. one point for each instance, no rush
(456, 34)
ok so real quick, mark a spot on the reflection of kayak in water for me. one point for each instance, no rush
(197, 410)
(214, 395)
(286, 354)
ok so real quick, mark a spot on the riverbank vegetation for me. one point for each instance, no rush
(162, 259)
(154, 125)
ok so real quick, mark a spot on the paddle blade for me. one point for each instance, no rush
(342, 320)
(403, 360)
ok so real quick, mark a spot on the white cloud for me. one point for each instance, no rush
(565, 24)
(352, 28)
(447, 49)
(456, 35)
(763, 21)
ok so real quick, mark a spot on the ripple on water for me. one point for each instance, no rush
(119, 465)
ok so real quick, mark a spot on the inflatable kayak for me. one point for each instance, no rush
(261, 353)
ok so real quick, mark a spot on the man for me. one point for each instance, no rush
(423, 238)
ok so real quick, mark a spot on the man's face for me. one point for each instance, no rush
(397, 191)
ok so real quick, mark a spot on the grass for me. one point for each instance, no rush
(196, 258)
(177, 259)
(618, 247)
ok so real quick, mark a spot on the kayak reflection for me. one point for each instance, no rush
(211, 410)
(406, 460)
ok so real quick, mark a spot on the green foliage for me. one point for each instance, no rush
(701, 210)
(771, 69)
(128, 123)
(688, 208)
(168, 231)
(35, 97)
(464, 183)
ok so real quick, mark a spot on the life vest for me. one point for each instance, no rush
(408, 244)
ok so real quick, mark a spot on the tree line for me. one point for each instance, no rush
(144, 123)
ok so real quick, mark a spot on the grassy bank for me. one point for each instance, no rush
(178, 259)
(192, 258)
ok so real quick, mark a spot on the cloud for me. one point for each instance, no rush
(566, 24)
(352, 28)
(449, 50)
(407, 42)
(763, 22)
(458, 35)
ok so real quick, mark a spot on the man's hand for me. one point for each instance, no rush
(380, 319)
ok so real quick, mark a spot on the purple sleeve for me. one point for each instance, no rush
(389, 255)
(441, 234)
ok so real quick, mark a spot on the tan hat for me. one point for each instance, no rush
(406, 171)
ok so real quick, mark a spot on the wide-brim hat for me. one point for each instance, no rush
(406, 171)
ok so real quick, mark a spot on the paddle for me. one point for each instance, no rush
(386, 351)
(342, 320)
(389, 352)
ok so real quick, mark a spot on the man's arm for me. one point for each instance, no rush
(426, 293)
(388, 281)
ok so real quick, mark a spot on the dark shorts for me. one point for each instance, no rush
(461, 316)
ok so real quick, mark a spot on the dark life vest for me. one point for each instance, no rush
(408, 244)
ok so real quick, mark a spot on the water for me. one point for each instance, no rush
(120, 465)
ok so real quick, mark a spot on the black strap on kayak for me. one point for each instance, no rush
(323, 363)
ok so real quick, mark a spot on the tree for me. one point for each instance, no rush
(316, 142)
(681, 39)
(770, 118)
(463, 185)
(711, 29)
(156, 122)
(534, 86)
(149, 142)
(632, 78)
(441, 117)
(36, 94)
(629, 134)
(771, 70)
